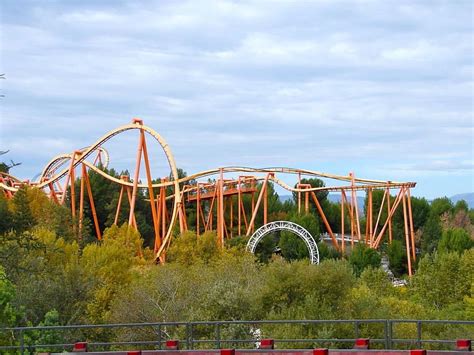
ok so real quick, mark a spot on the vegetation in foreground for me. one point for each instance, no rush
(50, 277)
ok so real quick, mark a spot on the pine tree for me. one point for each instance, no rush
(23, 219)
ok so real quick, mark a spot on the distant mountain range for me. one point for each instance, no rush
(468, 197)
(333, 198)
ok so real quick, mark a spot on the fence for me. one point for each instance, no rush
(383, 334)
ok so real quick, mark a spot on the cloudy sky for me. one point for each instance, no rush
(381, 88)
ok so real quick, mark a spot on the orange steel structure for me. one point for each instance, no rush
(219, 205)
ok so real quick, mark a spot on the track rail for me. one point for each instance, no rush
(62, 165)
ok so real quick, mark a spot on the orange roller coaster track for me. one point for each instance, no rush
(219, 204)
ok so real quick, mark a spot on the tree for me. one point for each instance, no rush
(455, 240)
(46, 271)
(188, 248)
(420, 211)
(292, 246)
(327, 252)
(442, 279)
(440, 206)
(109, 267)
(333, 214)
(49, 215)
(6, 217)
(431, 234)
(50, 337)
(362, 257)
(268, 246)
(301, 290)
(377, 280)
(22, 216)
(397, 258)
(461, 205)
(4, 167)
(9, 314)
(105, 194)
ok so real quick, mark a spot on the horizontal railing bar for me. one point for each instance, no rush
(95, 326)
(137, 342)
(292, 321)
(228, 324)
(442, 341)
(467, 322)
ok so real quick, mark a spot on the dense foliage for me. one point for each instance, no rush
(49, 277)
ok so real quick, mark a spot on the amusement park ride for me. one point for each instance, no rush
(215, 201)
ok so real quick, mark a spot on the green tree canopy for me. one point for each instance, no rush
(22, 216)
(455, 239)
(314, 182)
(443, 279)
(362, 257)
(397, 258)
(441, 205)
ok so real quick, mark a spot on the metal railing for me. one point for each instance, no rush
(383, 334)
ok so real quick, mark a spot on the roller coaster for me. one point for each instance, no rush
(214, 200)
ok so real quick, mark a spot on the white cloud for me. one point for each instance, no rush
(268, 83)
(420, 51)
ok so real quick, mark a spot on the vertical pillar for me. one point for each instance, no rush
(379, 214)
(410, 220)
(255, 209)
(151, 193)
(198, 207)
(354, 199)
(72, 180)
(239, 203)
(299, 193)
(91, 202)
(407, 238)
(81, 202)
(388, 216)
(220, 210)
(163, 208)
(370, 217)
(231, 199)
(265, 203)
(135, 180)
(325, 221)
(306, 202)
(343, 246)
(52, 193)
(129, 195)
(119, 203)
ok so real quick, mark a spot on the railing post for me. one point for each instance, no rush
(187, 336)
(218, 335)
(159, 336)
(390, 333)
(356, 329)
(191, 336)
(418, 334)
(22, 342)
(385, 332)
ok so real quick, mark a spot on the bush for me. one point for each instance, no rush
(455, 240)
(397, 257)
(362, 257)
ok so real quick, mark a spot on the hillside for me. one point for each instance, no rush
(468, 197)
